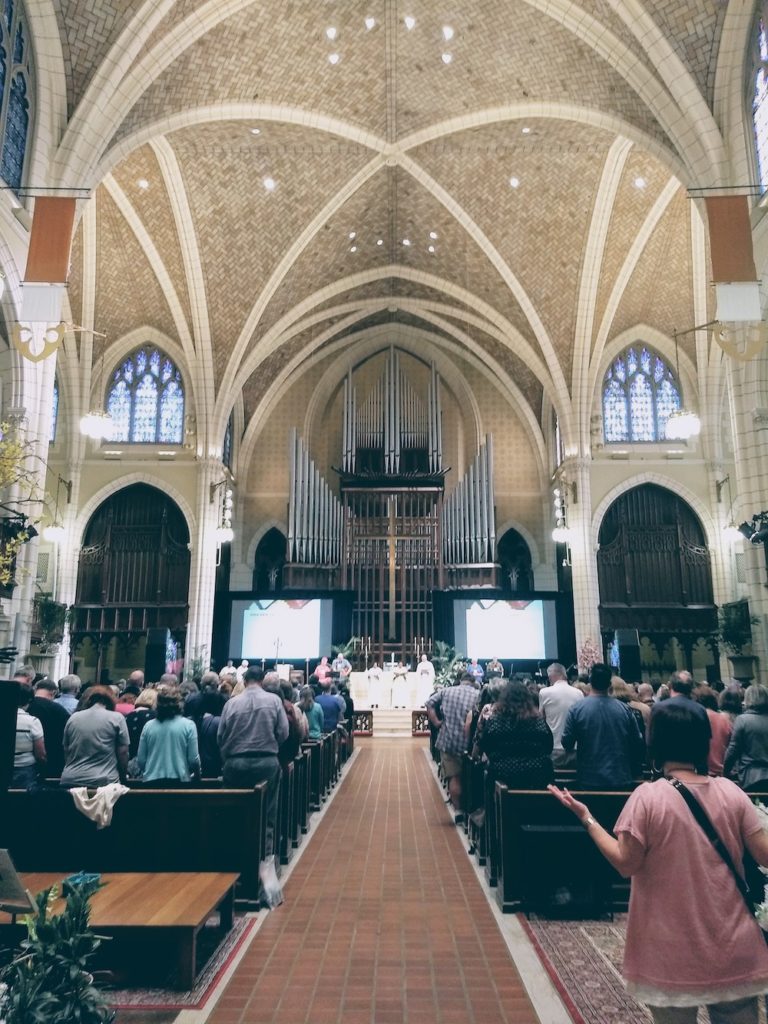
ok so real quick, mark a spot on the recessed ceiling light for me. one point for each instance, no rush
(370, 23)
(255, 131)
(430, 248)
(409, 21)
(525, 130)
(353, 248)
(379, 241)
(446, 58)
(640, 182)
(352, 234)
(143, 184)
(331, 32)
(269, 184)
(334, 58)
(433, 234)
(514, 182)
(447, 33)
(406, 241)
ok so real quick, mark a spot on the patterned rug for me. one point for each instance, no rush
(583, 959)
(214, 955)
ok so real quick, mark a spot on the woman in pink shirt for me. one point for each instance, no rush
(691, 940)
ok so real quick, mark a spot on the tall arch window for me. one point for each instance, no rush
(640, 393)
(226, 448)
(54, 411)
(17, 87)
(759, 99)
(146, 399)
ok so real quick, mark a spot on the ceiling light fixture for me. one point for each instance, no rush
(379, 241)
(97, 423)
(640, 182)
(433, 234)
(255, 131)
(143, 184)
(331, 32)
(406, 241)
(430, 248)
(353, 248)
(370, 23)
(352, 234)
(682, 424)
(525, 130)
(269, 184)
(514, 183)
(446, 58)
(409, 21)
(334, 58)
(447, 33)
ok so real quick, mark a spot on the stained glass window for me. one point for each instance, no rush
(16, 93)
(639, 395)
(54, 411)
(226, 448)
(146, 399)
(760, 101)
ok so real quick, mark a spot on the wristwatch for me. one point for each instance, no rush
(589, 820)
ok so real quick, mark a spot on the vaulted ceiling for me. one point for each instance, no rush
(527, 194)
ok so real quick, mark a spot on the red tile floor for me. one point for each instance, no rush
(384, 921)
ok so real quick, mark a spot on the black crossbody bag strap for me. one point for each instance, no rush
(711, 833)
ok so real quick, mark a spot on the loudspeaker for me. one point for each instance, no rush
(628, 644)
(156, 654)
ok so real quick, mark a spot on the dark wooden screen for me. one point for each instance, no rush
(654, 569)
(134, 566)
(269, 562)
(515, 560)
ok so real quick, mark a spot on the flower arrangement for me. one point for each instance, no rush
(588, 654)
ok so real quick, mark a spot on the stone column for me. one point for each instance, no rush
(205, 555)
(586, 594)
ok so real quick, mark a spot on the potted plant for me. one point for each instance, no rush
(49, 980)
(734, 635)
(448, 663)
(51, 618)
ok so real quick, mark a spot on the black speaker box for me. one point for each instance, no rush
(628, 643)
(155, 654)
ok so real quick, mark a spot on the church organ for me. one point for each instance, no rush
(391, 537)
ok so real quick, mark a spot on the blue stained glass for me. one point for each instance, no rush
(16, 127)
(171, 414)
(226, 448)
(145, 411)
(3, 64)
(637, 405)
(119, 408)
(762, 41)
(8, 5)
(760, 106)
(54, 411)
(18, 47)
(150, 410)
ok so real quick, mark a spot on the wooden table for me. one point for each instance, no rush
(145, 913)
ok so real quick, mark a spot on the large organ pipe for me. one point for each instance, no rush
(491, 499)
(353, 429)
(292, 500)
(345, 429)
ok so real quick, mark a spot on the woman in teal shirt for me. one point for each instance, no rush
(313, 711)
(168, 753)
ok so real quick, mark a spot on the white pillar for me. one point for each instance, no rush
(586, 593)
(205, 553)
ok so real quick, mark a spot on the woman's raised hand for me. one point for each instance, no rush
(575, 806)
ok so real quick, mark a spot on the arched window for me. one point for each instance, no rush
(16, 84)
(759, 98)
(146, 399)
(639, 395)
(226, 448)
(54, 411)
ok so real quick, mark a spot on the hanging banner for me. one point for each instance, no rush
(50, 240)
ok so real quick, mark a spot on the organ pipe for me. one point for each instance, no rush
(469, 532)
(315, 516)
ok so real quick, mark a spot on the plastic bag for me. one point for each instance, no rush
(271, 891)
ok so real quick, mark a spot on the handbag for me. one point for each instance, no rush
(709, 830)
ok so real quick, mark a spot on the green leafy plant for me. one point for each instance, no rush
(51, 618)
(348, 649)
(448, 663)
(48, 980)
(196, 666)
(734, 627)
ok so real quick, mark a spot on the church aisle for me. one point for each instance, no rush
(384, 920)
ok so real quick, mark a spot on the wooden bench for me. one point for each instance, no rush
(150, 918)
(200, 830)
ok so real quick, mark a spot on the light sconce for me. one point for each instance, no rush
(224, 532)
(560, 534)
(97, 423)
(730, 531)
(683, 424)
(55, 533)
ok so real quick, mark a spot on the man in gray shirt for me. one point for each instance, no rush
(252, 727)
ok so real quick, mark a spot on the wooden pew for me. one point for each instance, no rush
(152, 830)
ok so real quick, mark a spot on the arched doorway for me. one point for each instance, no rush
(133, 575)
(655, 576)
(514, 557)
(268, 563)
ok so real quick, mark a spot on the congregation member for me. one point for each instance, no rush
(731, 702)
(681, 686)
(478, 715)
(672, 960)
(555, 701)
(313, 713)
(332, 706)
(290, 746)
(517, 740)
(69, 691)
(96, 742)
(625, 692)
(192, 705)
(208, 735)
(136, 678)
(29, 751)
(720, 726)
(608, 743)
(645, 694)
(143, 712)
(168, 751)
(127, 699)
(53, 718)
(747, 753)
(252, 728)
(477, 672)
(447, 710)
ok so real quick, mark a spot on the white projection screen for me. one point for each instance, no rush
(292, 630)
(518, 630)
